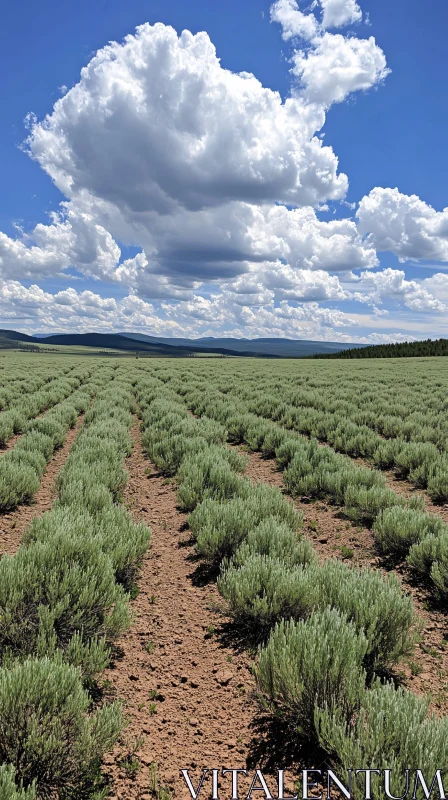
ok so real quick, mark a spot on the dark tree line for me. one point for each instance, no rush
(402, 350)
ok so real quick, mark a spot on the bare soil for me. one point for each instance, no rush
(427, 670)
(14, 523)
(188, 690)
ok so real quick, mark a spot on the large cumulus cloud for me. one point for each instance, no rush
(404, 225)
(156, 122)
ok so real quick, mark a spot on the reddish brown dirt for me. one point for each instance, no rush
(14, 524)
(330, 532)
(187, 694)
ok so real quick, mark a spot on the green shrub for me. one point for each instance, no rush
(219, 528)
(29, 458)
(397, 529)
(8, 787)
(363, 505)
(168, 451)
(112, 528)
(47, 732)
(18, 483)
(391, 730)
(208, 475)
(277, 540)
(423, 555)
(54, 590)
(6, 427)
(81, 492)
(273, 440)
(262, 591)
(439, 569)
(438, 486)
(375, 604)
(287, 450)
(50, 427)
(36, 441)
(416, 455)
(386, 452)
(313, 664)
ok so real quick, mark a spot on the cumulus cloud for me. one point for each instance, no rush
(391, 284)
(293, 21)
(296, 24)
(330, 66)
(281, 282)
(404, 225)
(338, 66)
(74, 239)
(338, 13)
(80, 312)
(156, 122)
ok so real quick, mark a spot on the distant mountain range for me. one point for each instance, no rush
(178, 347)
(292, 348)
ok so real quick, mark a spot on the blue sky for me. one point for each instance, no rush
(389, 133)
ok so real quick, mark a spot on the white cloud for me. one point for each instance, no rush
(156, 122)
(391, 284)
(337, 66)
(32, 309)
(437, 285)
(300, 238)
(222, 312)
(293, 21)
(281, 282)
(338, 13)
(71, 240)
(404, 225)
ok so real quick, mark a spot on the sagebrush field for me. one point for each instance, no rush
(219, 562)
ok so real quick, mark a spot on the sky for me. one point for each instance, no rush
(240, 169)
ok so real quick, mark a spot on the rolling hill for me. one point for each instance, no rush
(111, 341)
(284, 348)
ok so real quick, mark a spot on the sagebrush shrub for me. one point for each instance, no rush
(416, 455)
(391, 730)
(363, 505)
(438, 485)
(9, 790)
(18, 482)
(54, 590)
(313, 664)
(38, 442)
(47, 732)
(219, 528)
(208, 475)
(278, 540)
(6, 427)
(50, 427)
(397, 529)
(112, 528)
(263, 591)
(423, 555)
(376, 604)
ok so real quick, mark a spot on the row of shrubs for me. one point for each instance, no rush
(401, 525)
(357, 421)
(17, 383)
(407, 407)
(325, 631)
(22, 467)
(64, 600)
(33, 400)
(421, 463)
